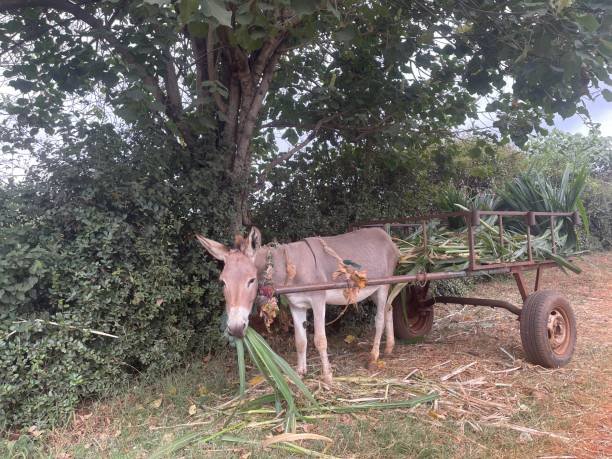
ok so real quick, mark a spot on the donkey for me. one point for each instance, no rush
(245, 268)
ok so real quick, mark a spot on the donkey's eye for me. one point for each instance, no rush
(250, 282)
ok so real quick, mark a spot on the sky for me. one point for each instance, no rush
(600, 111)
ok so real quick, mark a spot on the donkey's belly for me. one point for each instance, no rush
(337, 297)
(304, 300)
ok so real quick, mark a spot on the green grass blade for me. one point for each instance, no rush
(271, 369)
(284, 366)
(193, 437)
(241, 365)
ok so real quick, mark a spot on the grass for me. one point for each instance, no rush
(134, 426)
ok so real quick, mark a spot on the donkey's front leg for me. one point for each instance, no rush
(318, 312)
(299, 325)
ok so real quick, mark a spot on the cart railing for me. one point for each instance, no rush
(472, 220)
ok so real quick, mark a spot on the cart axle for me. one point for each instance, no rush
(479, 302)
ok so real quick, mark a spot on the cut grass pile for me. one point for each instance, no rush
(444, 249)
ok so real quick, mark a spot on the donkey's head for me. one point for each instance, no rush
(239, 277)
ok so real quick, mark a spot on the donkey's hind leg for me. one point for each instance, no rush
(380, 299)
(389, 333)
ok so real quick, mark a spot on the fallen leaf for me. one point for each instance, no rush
(156, 403)
(293, 437)
(349, 339)
(256, 380)
(380, 364)
(202, 390)
(35, 432)
(192, 410)
(172, 390)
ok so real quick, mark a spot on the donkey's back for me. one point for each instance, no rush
(371, 248)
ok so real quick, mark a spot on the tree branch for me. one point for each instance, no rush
(252, 108)
(97, 25)
(174, 107)
(261, 180)
(212, 69)
(232, 111)
(265, 53)
(198, 47)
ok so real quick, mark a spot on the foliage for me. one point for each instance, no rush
(593, 152)
(326, 189)
(99, 242)
(549, 155)
(532, 191)
(233, 73)
(598, 204)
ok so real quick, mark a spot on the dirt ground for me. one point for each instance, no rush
(574, 403)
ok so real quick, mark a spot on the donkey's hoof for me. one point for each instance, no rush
(327, 379)
(389, 350)
(372, 365)
(301, 372)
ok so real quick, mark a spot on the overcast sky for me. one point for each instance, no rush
(601, 112)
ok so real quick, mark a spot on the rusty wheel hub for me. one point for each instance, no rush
(558, 331)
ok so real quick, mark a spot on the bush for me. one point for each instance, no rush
(98, 241)
(598, 204)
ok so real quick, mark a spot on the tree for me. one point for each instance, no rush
(222, 77)
(550, 155)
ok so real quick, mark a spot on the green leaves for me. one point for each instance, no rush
(216, 9)
(22, 85)
(587, 22)
(275, 369)
(346, 34)
(187, 10)
(100, 241)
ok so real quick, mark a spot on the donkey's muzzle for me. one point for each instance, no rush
(237, 330)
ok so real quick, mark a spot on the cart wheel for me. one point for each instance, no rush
(409, 319)
(548, 329)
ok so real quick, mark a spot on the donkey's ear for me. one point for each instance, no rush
(216, 249)
(253, 242)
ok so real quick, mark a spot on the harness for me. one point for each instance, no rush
(311, 251)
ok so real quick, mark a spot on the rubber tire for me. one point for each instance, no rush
(403, 329)
(534, 328)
